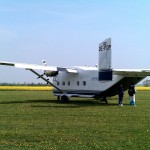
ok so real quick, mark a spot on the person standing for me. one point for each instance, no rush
(121, 94)
(131, 93)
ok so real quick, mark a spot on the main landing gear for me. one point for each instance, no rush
(63, 99)
(104, 99)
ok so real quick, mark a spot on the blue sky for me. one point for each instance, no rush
(67, 33)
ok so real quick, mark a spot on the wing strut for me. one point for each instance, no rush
(45, 80)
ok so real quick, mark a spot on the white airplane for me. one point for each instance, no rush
(83, 81)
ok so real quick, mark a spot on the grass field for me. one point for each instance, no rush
(35, 120)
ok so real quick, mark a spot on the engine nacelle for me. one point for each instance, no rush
(51, 73)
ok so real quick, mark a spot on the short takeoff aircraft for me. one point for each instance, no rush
(97, 82)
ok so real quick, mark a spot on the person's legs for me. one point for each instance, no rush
(120, 100)
(134, 99)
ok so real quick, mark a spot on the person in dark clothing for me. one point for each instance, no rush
(121, 94)
(131, 93)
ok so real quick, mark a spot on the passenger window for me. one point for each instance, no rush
(63, 83)
(84, 83)
(78, 83)
(68, 82)
(58, 83)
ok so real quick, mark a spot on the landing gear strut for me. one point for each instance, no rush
(58, 98)
(105, 100)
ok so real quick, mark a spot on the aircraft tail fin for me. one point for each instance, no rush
(105, 70)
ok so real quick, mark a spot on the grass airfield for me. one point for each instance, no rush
(35, 120)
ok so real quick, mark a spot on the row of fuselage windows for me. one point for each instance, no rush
(69, 83)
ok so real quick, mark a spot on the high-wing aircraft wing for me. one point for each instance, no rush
(49, 71)
(132, 72)
(38, 67)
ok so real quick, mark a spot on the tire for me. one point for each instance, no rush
(64, 99)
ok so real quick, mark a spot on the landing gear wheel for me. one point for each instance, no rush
(64, 99)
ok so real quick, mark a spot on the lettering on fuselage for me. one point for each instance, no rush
(94, 78)
(104, 47)
(54, 78)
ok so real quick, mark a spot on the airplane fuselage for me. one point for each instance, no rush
(87, 84)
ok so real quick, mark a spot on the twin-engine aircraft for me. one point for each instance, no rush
(97, 82)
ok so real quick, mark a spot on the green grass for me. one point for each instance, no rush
(35, 120)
